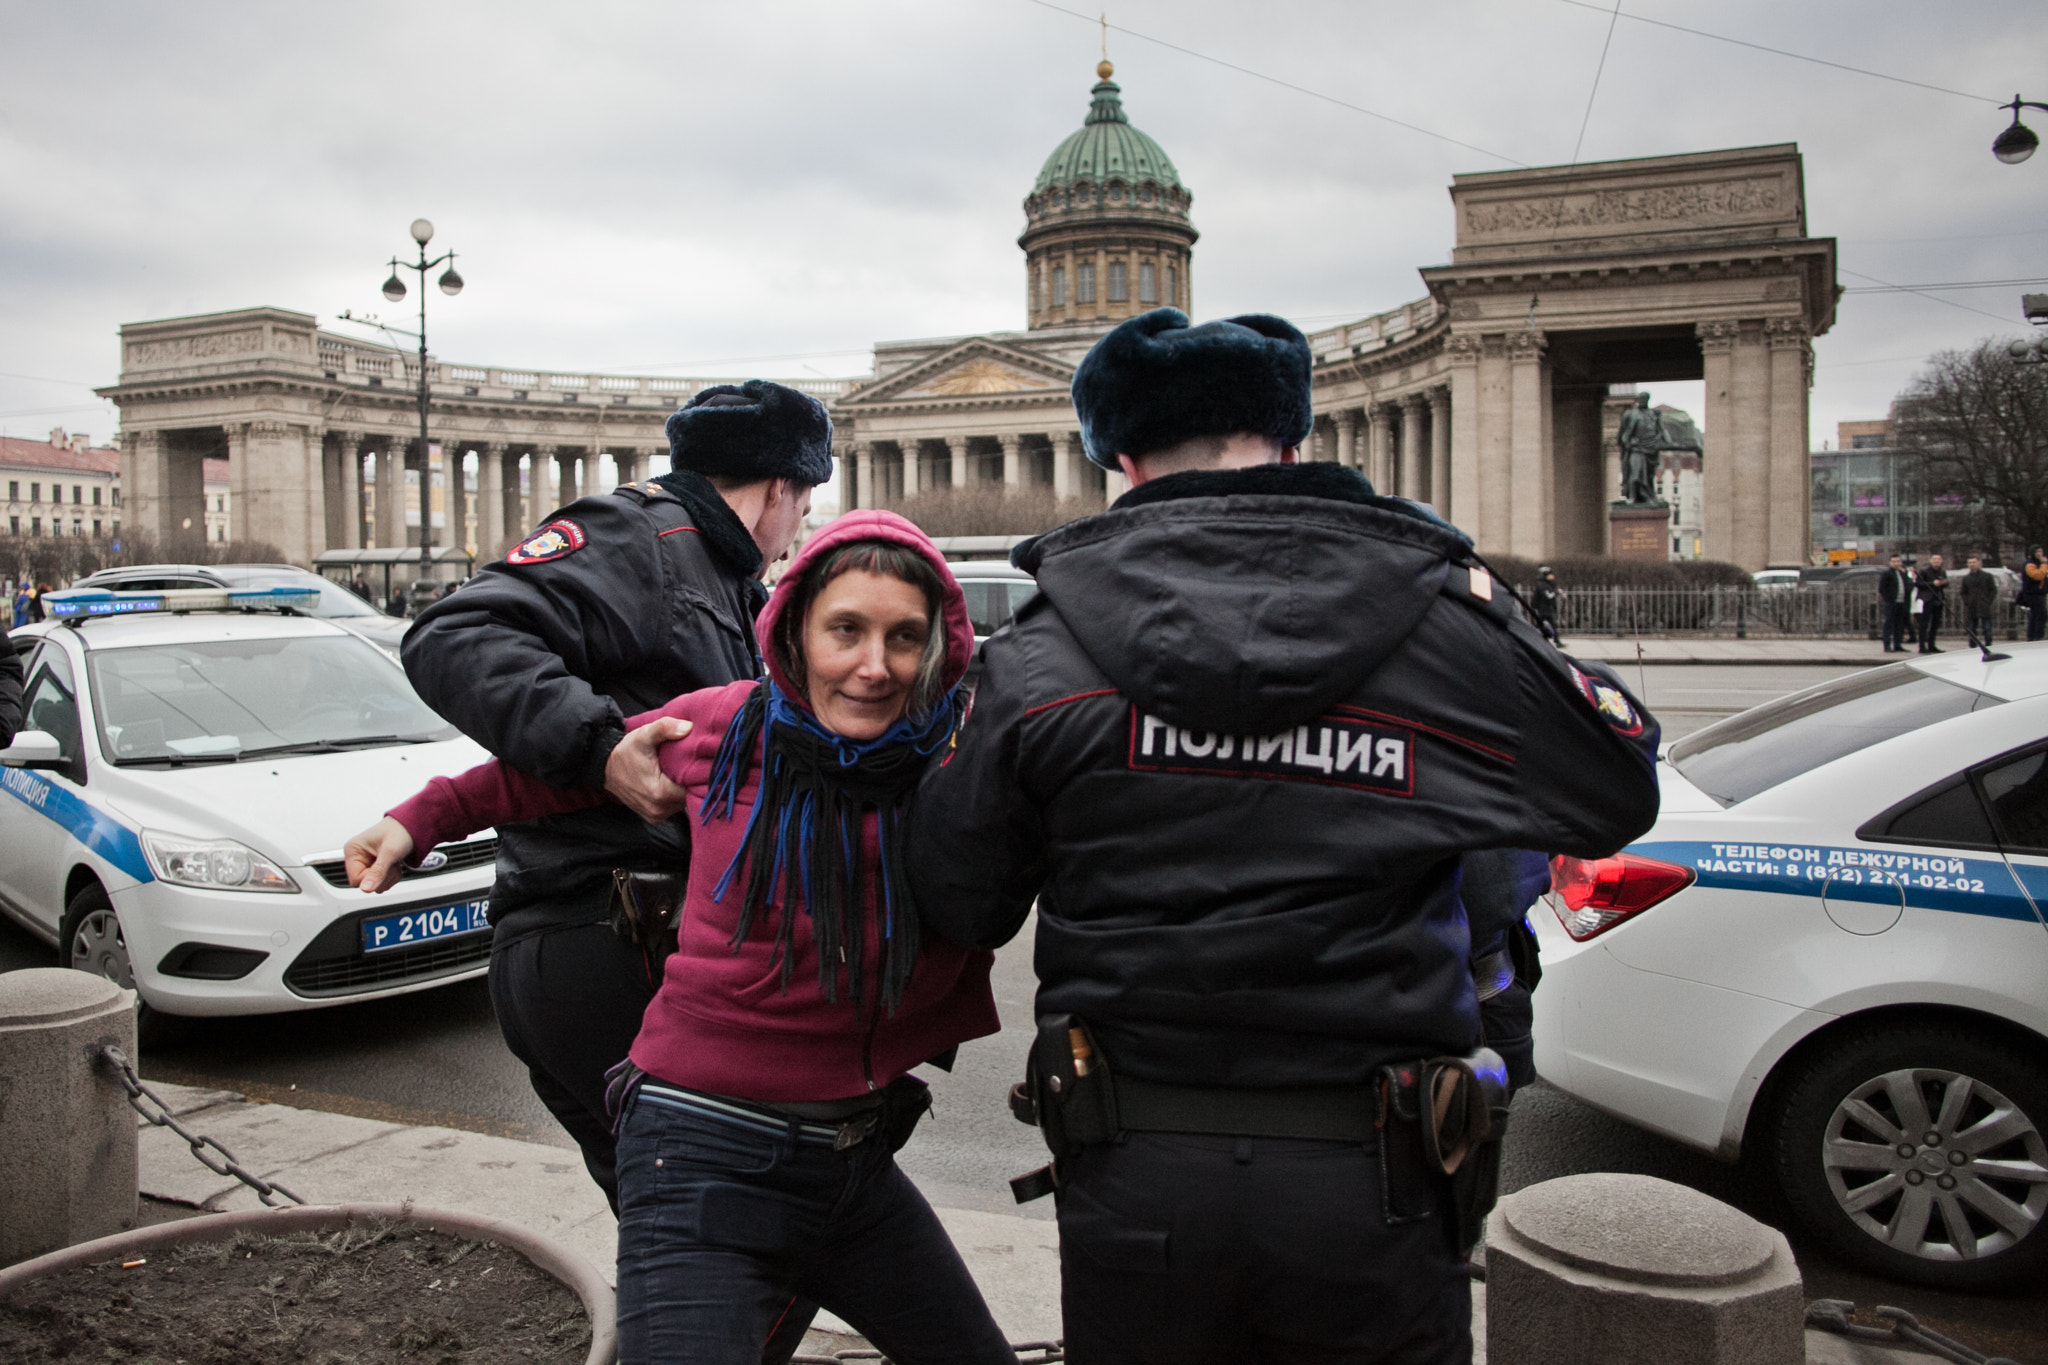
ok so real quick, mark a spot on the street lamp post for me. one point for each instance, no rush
(2018, 142)
(394, 290)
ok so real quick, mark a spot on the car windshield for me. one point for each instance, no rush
(222, 700)
(990, 605)
(1776, 742)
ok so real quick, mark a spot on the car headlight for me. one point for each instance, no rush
(216, 864)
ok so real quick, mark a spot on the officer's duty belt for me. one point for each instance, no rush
(1335, 1115)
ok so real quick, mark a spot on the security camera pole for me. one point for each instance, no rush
(394, 290)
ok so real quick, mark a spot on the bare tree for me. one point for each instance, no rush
(1978, 420)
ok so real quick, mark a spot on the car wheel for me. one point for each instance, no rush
(1920, 1152)
(91, 941)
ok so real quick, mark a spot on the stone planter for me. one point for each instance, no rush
(565, 1265)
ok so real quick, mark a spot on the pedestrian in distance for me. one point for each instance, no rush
(2033, 592)
(35, 601)
(1895, 599)
(1930, 597)
(1234, 751)
(768, 1087)
(361, 588)
(1543, 602)
(396, 605)
(24, 603)
(1979, 593)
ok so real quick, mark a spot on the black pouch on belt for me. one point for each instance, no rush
(1463, 1120)
(1067, 1093)
(905, 1100)
(647, 912)
(1408, 1184)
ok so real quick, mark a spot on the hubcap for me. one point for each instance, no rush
(1936, 1164)
(99, 948)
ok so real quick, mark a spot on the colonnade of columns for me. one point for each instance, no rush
(1400, 444)
(883, 472)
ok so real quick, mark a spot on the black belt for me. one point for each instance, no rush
(1335, 1115)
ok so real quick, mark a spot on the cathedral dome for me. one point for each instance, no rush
(1107, 148)
(1106, 224)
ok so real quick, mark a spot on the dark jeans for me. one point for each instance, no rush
(1980, 628)
(1185, 1250)
(1896, 627)
(724, 1223)
(1930, 624)
(2037, 616)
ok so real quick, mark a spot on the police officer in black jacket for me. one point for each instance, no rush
(1235, 750)
(10, 692)
(613, 606)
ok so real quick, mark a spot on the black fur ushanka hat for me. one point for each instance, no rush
(755, 430)
(1155, 382)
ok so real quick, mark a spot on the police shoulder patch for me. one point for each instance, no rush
(1611, 702)
(558, 538)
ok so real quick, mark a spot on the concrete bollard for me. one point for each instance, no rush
(1590, 1269)
(67, 1135)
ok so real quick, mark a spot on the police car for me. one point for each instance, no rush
(173, 811)
(1831, 951)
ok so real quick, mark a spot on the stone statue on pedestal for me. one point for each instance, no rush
(1642, 439)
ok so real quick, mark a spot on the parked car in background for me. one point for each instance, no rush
(1775, 579)
(1832, 950)
(172, 813)
(995, 593)
(336, 603)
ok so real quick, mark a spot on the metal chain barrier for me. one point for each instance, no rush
(122, 1072)
(1028, 1353)
(1832, 1315)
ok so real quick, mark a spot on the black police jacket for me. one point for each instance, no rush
(10, 692)
(1234, 750)
(616, 604)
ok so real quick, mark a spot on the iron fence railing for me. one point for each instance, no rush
(1810, 612)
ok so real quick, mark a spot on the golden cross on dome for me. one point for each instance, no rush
(1105, 70)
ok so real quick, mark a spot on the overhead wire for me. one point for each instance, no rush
(1284, 84)
(1910, 289)
(1781, 52)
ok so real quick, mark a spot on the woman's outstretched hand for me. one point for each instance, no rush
(633, 773)
(375, 859)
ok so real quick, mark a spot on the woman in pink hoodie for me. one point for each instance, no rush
(768, 1089)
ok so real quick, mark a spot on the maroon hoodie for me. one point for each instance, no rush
(722, 1020)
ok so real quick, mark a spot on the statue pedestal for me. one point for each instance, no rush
(1641, 535)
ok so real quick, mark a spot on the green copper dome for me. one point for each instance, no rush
(1107, 148)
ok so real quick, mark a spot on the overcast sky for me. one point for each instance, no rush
(770, 187)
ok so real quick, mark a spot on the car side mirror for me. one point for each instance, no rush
(33, 749)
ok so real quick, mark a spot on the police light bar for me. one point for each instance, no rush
(86, 602)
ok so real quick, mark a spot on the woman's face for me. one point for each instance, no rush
(863, 639)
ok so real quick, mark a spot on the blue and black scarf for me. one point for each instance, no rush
(803, 837)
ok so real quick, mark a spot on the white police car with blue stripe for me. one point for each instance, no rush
(1832, 949)
(173, 811)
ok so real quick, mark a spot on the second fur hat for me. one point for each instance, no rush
(1155, 382)
(755, 430)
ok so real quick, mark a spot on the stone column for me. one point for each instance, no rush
(490, 498)
(912, 480)
(1380, 423)
(1346, 421)
(1789, 536)
(519, 494)
(1440, 451)
(1717, 356)
(1414, 453)
(1013, 461)
(1466, 507)
(335, 532)
(1066, 464)
(390, 495)
(565, 475)
(241, 489)
(592, 473)
(145, 482)
(1748, 455)
(68, 1146)
(864, 475)
(958, 445)
(1531, 508)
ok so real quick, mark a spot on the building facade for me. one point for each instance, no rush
(1870, 500)
(65, 486)
(1489, 398)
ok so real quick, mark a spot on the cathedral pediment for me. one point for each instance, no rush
(975, 368)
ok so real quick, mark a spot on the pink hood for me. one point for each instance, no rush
(868, 525)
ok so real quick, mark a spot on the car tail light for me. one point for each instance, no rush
(1592, 895)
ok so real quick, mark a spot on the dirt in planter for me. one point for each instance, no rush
(371, 1295)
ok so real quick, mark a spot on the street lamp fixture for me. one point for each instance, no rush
(394, 290)
(2018, 142)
